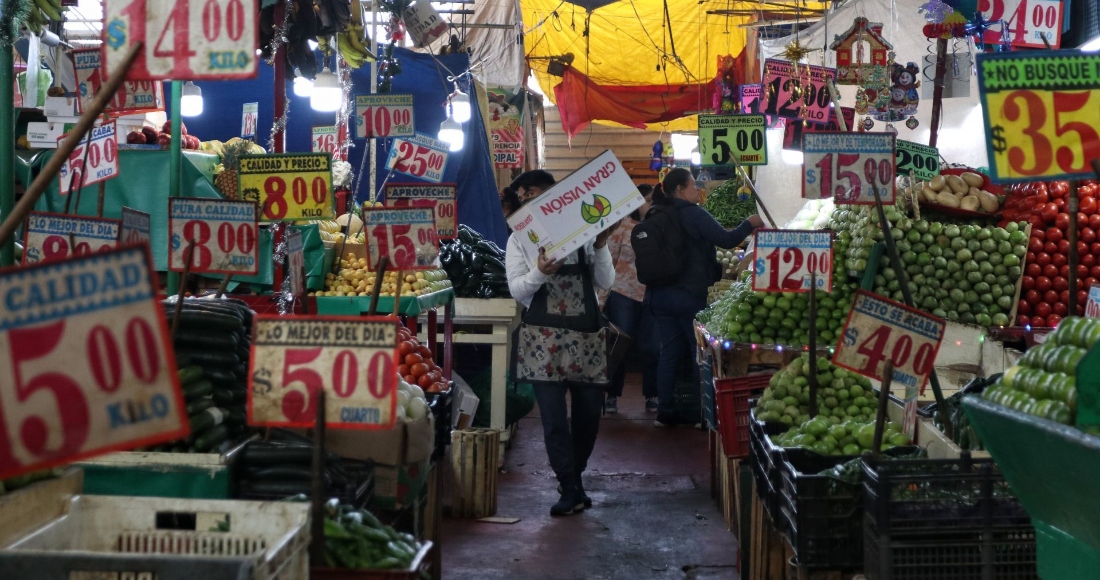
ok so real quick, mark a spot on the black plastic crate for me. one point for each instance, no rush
(687, 401)
(441, 406)
(765, 457)
(821, 516)
(1000, 554)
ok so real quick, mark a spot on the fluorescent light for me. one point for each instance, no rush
(191, 100)
(450, 132)
(460, 105)
(303, 87)
(326, 93)
(792, 157)
(1091, 46)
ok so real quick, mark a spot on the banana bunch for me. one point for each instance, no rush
(329, 226)
(352, 42)
(335, 237)
(42, 12)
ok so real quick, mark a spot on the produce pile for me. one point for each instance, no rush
(356, 539)
(475, 265)
(730, 203)
(729, 259)
(842, 395)
(282, 467)
(417, 367)
(814, 215)
(355, 279)
(849, 438)
(150, 136)
(962, 191)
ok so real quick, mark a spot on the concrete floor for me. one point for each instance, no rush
(653, 517)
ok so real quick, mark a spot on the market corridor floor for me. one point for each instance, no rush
(653, 517)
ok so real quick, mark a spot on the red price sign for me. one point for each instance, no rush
(797, 91)
(878, 328)
(1092, 307)
(421, 156)
(135, 227)
(90, 163)
(324, 139)
(1025, 21)
(250, 116)
(291, 186)
(183, 39)
(87, 365)
(352, 359)
(384, 116)
(441, 198)
(406, 237)
(848, 167)
(793, 132)
(295, 260)
(784, 259)
(50, 236)
(132, 96)
(225, 234)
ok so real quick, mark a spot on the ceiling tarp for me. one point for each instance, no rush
(495, 38)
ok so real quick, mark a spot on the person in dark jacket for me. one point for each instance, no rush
(674, 306)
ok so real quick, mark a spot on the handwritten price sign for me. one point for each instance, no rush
(52, 236)
(753, 103)
(324, 139)
(878, 328)
(292, 186)
(295, 260)
(132, 97)
(1026, 21)
(250, 117)
(404, 236)
(784, 259)
(732, 139)
(351, 359)
(793, 131)
(848, 167)
(420, 156)
(90, 163)
(384, 116)
(1092, 307)
(789, 93)
(87, 366)
(923, 161)
(185, 40)
(1040, 113)
(441, 198)
(135, 227)
(225, 233)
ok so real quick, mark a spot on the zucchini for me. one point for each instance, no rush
(197, 390)
(199, 405)
(189, 374)
(271, 453)
(212, 358)
(222, 377)
(285, 473)
(182, 362)
(226, 397)
(236, 417)
(211, 438)
(204, 321)
(212, 306)
(208, 419)
(192, 338)
(276, 488)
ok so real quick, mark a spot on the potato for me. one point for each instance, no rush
(948, 199)
(938, 182)
(988, 201)
(969, 203)
(929, 195)
(957, 184)
(973, 191)
(973, 179)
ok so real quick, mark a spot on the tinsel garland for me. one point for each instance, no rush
(278, 259)
(278, 126)
(12, 15)
(280, 37)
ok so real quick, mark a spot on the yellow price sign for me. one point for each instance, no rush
(1040, 113)
(290, 187)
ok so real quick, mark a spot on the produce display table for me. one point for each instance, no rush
(151, 474)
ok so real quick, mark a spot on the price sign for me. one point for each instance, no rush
(920, 160)
(1026, 21)
(188, 40)
(324, 139)
(250, 116)
(419, 156)
(792, 93)
(132, 96)
(405, 236)
(793, 131)
(90, 163)
(878, 328)
(784, 259)
(441, 198)
(732, 139)
(290, 186)
(225, 233)
(384, 116)
(352, 359)
(51, 236)
(848, 167)
(135, 227)
(1040, 113)
(752, 103)
(296, 263)
(87, 366)
(1092, 307)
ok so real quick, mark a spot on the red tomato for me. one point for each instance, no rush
(1042, 309)
(1039, 234)
(1064, 271)
(1035, 244)
(1055, 236)
(1050, 248)
(1091, 281)
(1023, 307)
(424, 381)
(402, 369)
(1094, 271)
(1064, 296)
(1059, 283)
(1061, 221)
(1053, 320)
(410, 379)
(1023, 320)
(1048, 212)
(1030, 257)
(1063, 246)
(424, 352)
(1088, 260)
(1082, 221)
(404, 347)
(1080, 309)
(1087, 234)
(1094, 221)
(1038, 322)
(1059, 260)
(1058, 189)
(1036, 221)
(1059, 203)
(1042, 283)
(1050, 270)
(1042, 258)
(1082, 297)
(1094, 248)
(1087, 205)
(1028, 281)
(1033, 296)
(1050, 297)
(413, 358)
(418, 369)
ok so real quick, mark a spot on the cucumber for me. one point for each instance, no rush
(284, 473)
(211, 306)
(189, 374)
(222, 377)
(208, 419)
(211, 438)
(223, 397)
(182, 362)
(197, 390)
(191, 338)
(272, 453)
(211, 358)
(236, 417)
(276, 488)
(204, 320)
(198, 405)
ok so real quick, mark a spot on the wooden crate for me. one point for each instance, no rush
(475, 460)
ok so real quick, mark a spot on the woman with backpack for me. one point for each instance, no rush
(675, 305)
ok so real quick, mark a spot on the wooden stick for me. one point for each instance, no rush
(53, 166)
(840, 122)
(224, 284)
(397, 292)
(937, 91)
(99, 199)
(755, 194)
(883, 397)
(188, 255)
(378, 277)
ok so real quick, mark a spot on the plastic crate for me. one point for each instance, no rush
(1005, 554)
(821, 517)
(173, 539)
(764, 458)
(420, 565)
(706, 386)
(732, 410)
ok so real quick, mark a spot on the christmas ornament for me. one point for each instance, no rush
(912, 123)
(795, 51)
(655, 160)
(852, 64)
(725, 86)
(868, 124)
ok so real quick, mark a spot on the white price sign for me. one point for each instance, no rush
(1092, 307)
(324, 139)
(85, 362)
(135, 227)
(183, 39)
(406, 237)
(1025, 21)
(51, 236)
(351, 359)
(132, 96)
(225, 234)
(419, 156)
(384, 115)
(439, 197)
(295, 258)
(250, 116)
(848, 167)
(90, 163)
(784, 259)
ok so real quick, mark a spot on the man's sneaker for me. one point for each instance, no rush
(611, 405)
(569, 503)
(582, 497)
(651, 404)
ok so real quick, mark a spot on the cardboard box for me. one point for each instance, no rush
(44, 135)
(398, 486)
(464, 405)
(342, 249)
(64, 107)
(404, 444)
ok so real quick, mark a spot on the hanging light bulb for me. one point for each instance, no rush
(191, 101)
(325, 96)
(460, 105)
(792, 157)
(450, 132)
(303, 87)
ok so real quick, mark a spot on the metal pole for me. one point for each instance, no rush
(7, 148)
(372, 143)
(174, 281)
(937, 91)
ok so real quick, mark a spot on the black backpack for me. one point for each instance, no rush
(658, 244)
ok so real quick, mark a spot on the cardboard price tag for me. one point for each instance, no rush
(250, 117)
(406, 237)
(295, 257)
(384, 116)
(848, 167)
(1026, 21)
(288, 186)
(214, 39)
(440, 197)
(1040, 113)
(753, 103)
(132, 96)
(352, 359)
(225, 233)
(90, 163)
(324, 139)
(878, 328)
(51, 236)
(420, 156)
(793, 131)
(135, 227)
(85, 361)
(1092, 307)
(793, 94)
(732, 139)
(923, 161)
(784, 259)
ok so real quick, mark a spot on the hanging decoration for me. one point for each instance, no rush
(887, 91)
(852, 64)
(388, 65)
(794, 53)
(726, 93)
(13, 13)
(946, 24)
(655, 160)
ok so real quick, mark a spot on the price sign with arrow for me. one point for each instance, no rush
(726, 140)
(848, 167)
(1040, 111)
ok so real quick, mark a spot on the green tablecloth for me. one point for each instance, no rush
(409, 305)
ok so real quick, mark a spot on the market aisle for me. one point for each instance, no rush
(653, 516)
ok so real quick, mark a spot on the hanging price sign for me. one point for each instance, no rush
(419, 156)
(1092, 307)
(797, 91)
(290, 186)
(135, 227)
(726, 140)
(250, 117)
(225, 233)
(324, 139)
(404, 236)
(1040, 113)
(784, 259)
(793, 131)
(132, 96)
(90, 163)
(920, 160)
(188, 40)
(1025, 21)
(441, 198)
(295, 260)
(384, 115)
(51, 236)
(848, 167)
(878, 328)
(351, 359)
(752, 103)
(85, 362)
